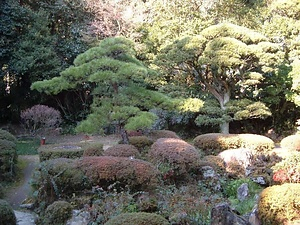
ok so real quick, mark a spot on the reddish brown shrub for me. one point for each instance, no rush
(178, 154)
(106, 170)
(122, 150)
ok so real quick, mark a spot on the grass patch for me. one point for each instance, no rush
(28, 146)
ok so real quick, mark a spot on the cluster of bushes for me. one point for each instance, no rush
(8, 155)
(138, 181)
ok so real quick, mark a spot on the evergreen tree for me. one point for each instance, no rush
(117, 82)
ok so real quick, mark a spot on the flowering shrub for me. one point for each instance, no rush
(40, 117)
(288, 170)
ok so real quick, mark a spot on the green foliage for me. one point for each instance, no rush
(137, 218)
(27, 146)
(278, 204)
(56, 213)
(7, 214)
(140, 142)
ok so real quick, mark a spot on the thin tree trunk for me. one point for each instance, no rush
(224, 128)
(124, 135)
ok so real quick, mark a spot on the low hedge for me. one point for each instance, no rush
(156, 134)
(279, 204)
(72, 151)
(214, 143)
(140, 142)
(138, 218)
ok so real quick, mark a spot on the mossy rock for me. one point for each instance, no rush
(57, 213)
(291, 142)
(139, 218)
(279, 204)
(7, 215)
(122, 150)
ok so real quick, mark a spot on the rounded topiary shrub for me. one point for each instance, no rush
(58, 178)
(7, 215)
(214, 143)
(132, 173)
(214, 161)
(256, 142)
(8, 155)
(140, 142)
(92, 148)
(279, 204)
(57, 213)
(156, 134)
(178, 155)
(139, 218)
(291, 142)
(122, 150)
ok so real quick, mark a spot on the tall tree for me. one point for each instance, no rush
(224, 59)
(117, 82)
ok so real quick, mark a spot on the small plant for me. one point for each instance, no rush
(40, 118)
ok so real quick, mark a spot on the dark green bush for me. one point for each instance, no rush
(7, 215)
(8, 155)
(140, 142)
(139, 218)
(122, 150)
(57, 213)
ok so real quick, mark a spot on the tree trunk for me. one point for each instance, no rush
(124, 135)
(224, 128)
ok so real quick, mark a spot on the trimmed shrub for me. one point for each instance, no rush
(7, 215)
(122, 150)
(107, 170)
(72, 151)
(58, 178)
(57, 213)
(156, 134)
(256, 142)
(215, 162)
(288, 170)
(181, 157)
(140, 142)
(291, 142)
(214, 143)
(40, 118)
(8, 155)
(139, 218)
(279, 204)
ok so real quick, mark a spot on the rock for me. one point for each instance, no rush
(222, 214)
(25, 218)
(81, 217)
(243, 156)
(260, 180)
(243, 192)
(253, 217)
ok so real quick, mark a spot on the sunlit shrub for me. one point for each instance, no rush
(279, 204)
(122, 150)
(137, 218)
(7, 215)
(256, 142)
(214, 143)
(181, 157)
(40, 118)
(291, 142)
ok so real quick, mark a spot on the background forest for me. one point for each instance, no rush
(193, 65)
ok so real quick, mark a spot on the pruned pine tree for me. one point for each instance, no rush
(227, 61)
(117, 82)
